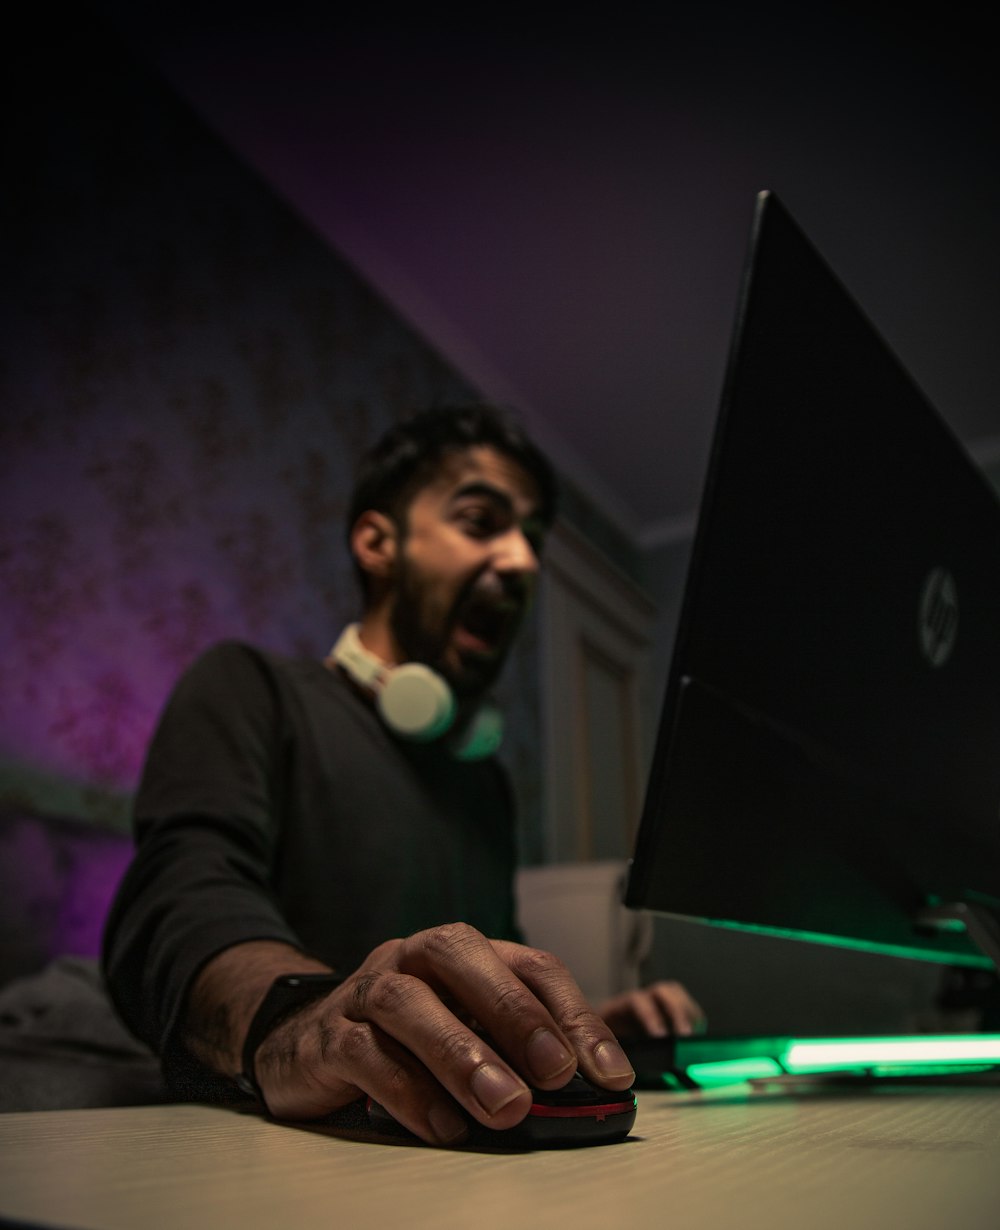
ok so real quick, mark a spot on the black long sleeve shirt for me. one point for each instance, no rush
(275, 805)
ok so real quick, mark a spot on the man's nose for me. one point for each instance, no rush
(515, 554)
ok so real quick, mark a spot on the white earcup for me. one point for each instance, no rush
(416, 703)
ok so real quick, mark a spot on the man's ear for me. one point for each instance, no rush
(374, 542)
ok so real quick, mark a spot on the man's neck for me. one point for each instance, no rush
(376, 636)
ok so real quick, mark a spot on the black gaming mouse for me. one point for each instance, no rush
(577, 1114)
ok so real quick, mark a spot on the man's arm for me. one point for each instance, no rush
(227, 993)
(199, 882)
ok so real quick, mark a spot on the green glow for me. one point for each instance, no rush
(731, 1071)
(914, 953)
(932, 1069)
(837, 1054)
(671, 1081)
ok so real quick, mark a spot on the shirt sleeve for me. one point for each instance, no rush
(205, 833)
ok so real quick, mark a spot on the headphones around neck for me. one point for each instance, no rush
(414, 701)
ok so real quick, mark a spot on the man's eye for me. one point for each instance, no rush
(478, 521)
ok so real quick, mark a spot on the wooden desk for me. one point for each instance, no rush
(919, 1158)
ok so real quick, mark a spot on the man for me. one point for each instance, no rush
(294, 816)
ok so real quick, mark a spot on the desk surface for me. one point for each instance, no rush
(896, 1156)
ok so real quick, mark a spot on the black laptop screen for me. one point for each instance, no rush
(828, 760)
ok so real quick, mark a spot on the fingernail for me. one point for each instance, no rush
(546, 1055)
(612, 1062)
(494, 1087)
(446, 1123)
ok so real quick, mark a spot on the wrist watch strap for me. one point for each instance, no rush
(285, 995)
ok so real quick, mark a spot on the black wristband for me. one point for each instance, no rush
(287, 993)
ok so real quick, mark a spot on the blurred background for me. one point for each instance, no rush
(240, 240)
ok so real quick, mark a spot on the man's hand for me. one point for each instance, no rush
(400, 1029)
(658, 1010)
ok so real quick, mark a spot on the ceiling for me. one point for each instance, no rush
(561, 203)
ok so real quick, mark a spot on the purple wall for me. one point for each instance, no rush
(187, 378)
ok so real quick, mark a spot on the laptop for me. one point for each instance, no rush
(828, 759)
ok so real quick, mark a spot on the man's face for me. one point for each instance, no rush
(467, 568)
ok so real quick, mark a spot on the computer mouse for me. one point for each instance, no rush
(577, 1114)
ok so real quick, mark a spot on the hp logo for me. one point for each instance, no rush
(938, 617)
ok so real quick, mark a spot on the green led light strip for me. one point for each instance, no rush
(914, 951)
(911, 1055)
(837, 1054)
(732, 1071)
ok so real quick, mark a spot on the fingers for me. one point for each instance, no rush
(636, 1012)
(479, 974)
(682, 1013)
(593, 1043)
(404, 1009)
(322, 1060)
(526, 1001)
(658, 1010)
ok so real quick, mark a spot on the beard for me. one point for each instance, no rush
(425, 633)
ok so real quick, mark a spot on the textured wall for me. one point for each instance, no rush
(188, 376)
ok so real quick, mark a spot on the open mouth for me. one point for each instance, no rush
(484, 625)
